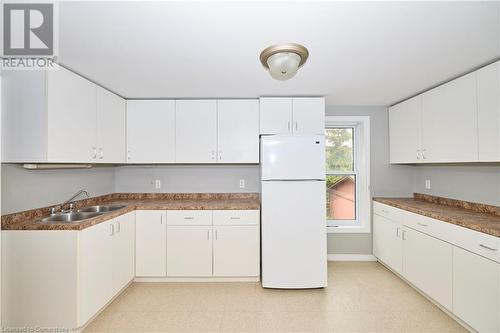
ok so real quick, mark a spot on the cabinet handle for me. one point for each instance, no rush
(423, 154)
(423, 225)
(418, 154)
(234, 218)
(112, 232)
(188, 218)
(397, 232)
(216, 235)
(161, 219)
(296, 126)
(208, 234)
(128, 154)
(94, 149)
(289, 126)
(101, 155)
(118, 227)
(404, 233)
(385, 211)
(487, 247)
(220, 155)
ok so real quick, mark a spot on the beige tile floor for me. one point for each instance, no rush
(361, 297)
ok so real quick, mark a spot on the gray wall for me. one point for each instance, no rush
(386, 180)
(187, 178)
(27, 189)
(478, 183)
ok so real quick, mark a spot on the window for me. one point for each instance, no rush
(347, 176)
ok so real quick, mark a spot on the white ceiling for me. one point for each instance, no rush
(361, 53)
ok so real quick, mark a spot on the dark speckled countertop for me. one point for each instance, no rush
(478, 217)
(32, 219)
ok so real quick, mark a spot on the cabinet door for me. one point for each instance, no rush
(123, 251)
(238, 131)
(236, 250)
(488, 117)
(151, 131)
(275, 115)
(387, 242)
(111, 124)
(95, 261)
(196, 131)
(71, 103)
(308, 115)
(449, 122)
(476, 290)
(189, 251)
(405, 131)
(427, 263)
(150, 243)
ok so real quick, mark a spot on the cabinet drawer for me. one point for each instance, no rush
(485, 245)
(389, 212)
(477, 242)
(236, 217)
(189, 217)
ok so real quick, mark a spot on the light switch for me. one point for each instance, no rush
(242, 183)
(157, 184)
(427, 184)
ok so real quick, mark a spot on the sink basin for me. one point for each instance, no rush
(70, 217)
(101, 209)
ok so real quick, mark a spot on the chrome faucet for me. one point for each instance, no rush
(70, 201)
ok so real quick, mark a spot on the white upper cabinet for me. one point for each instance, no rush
(308, 115)
(57, 116)
(405, 131)
(111, 124)
(238, 131)
(275, 115)
(456, 122)
(150, 131)
(196, 131)
(449, 122)
(71, 106)
(287, 115)
(488, 117)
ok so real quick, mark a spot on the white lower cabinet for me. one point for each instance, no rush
(151, 243)
(220, 243)
(95, 269)
(236, 250)
(387, 242)
(457, 267)
(123, 251)
(189, 251)
(54, 278)
(476, 290)
(427, 264)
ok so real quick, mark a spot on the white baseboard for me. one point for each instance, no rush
(351, 257)
(197, 279)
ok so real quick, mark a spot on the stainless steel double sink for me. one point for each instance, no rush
(81, 214)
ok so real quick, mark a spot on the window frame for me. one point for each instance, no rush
(361, 170)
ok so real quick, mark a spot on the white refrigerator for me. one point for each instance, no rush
(294, 254)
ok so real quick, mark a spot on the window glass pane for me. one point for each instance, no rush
(341, 197)
(339, 149)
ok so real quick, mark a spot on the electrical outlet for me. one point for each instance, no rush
(157, 184)
(242, 183)
(427, 184)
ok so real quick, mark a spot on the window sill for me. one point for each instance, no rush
(362, 229)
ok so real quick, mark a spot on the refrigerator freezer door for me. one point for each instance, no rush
(293, 157)
(294, 253)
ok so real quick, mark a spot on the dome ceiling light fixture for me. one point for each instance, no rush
(284, 60)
